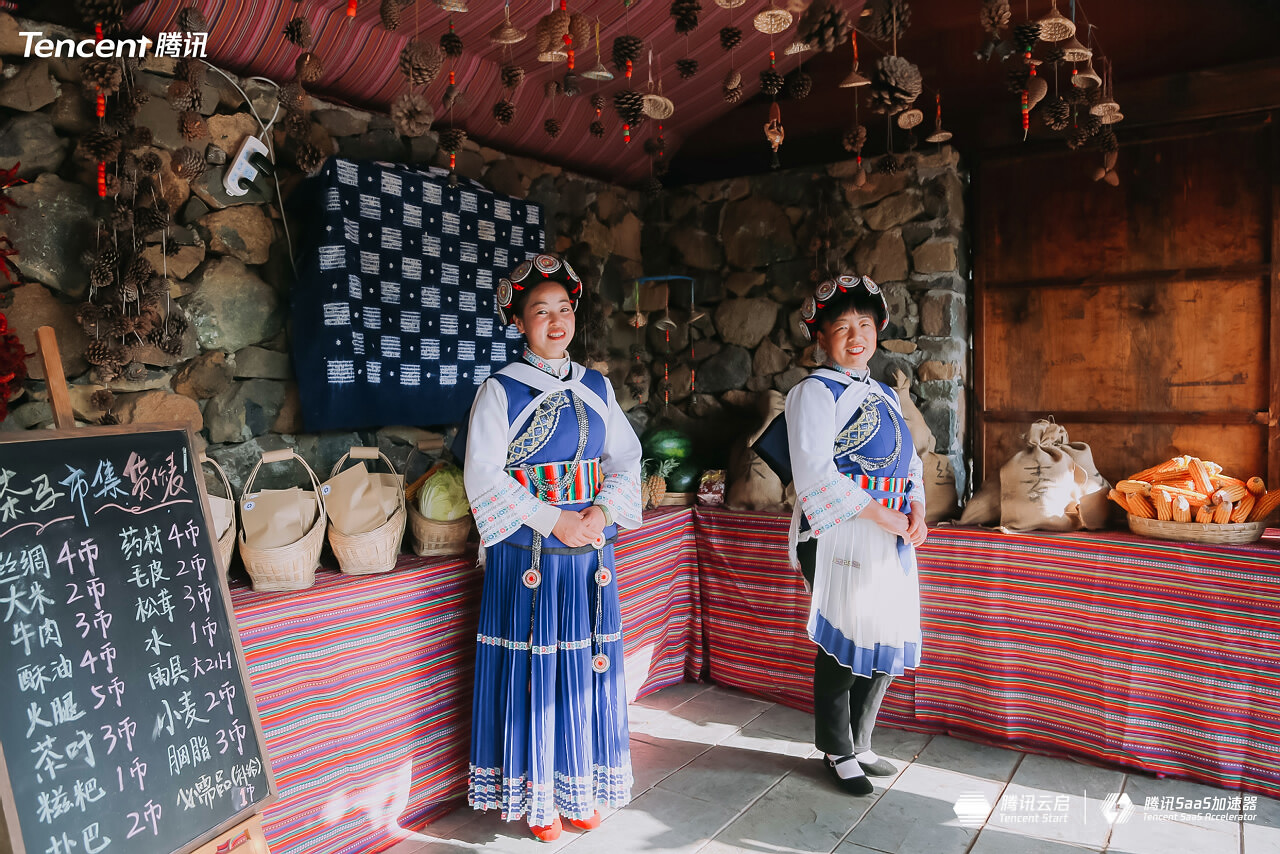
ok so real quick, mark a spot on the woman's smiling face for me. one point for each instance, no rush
(849, 340)
(547, 320)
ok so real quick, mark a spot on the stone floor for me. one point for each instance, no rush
(719, 772)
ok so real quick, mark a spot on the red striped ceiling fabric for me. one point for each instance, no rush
(360, 58)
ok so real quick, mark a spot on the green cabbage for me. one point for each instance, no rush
(443, 498)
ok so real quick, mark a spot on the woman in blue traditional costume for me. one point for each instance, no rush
(858, 517)
(552, 471)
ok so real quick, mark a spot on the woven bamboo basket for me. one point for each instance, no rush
(372, 551)
(678, 499)
(427, 537)
(291, 567)
(1230, 533)
(226, 544)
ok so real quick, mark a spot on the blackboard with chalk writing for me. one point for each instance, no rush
(126, 718)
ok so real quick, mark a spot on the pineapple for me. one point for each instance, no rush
(654, 487)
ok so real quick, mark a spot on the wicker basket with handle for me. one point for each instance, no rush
(428, 537)
(227, 542)
(291, 567)
(1230, 533)
(372, 551)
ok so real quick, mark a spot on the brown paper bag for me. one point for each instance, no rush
(277, 517)
(940, 498)
(752, 484)
(984, 507)
(1040, 486)
(223, 511)
(1095, 508)
(921, 436)
(354, 500)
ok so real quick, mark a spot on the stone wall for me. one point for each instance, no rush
(229, 273)
(755, 246)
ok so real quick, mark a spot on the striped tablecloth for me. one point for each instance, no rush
(1152, 655)
(363, 684)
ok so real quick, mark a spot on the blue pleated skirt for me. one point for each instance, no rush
(549, 734)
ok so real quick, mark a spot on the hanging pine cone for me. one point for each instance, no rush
(652, 187)
(122, 218)
(854, 139)
(1016, 79)
(192, 126)
(888, 17)
(298, 32)
(420, 62)
(730, 37)
(101, 276)
(451, 44)
(140, 271)
(687, 68)
(102, 399)
(121, 325)
(92, 319)
(109, 13)
(1056, 113)
(297, 126)
(294, 99)
(1105, 139)
(452, 139)
(1077, 137)
(100, 352)
(771, 81)
(629, 105)
(550, 89)
(888, 165)
(597, 102)
(147, 220)
(192, 20)
(597, 129)
(1053, 54)
(895, 85)
(994, 16)
(309, 68)
(504, 112)
(798, 85)
(1091, 124)
(512, 76)
(183, 96)
(685, 13)
(112, 184)
(140, 136)
(102, 74)
(190, 70)
(732, 95)
(412, 114)
(1026, 35)
(826, 26)
(98, 146)
(626, 48)
(150, 163)
(310, 158)
(389, 12)
(655, 145)
(732, 80)
(552, 127)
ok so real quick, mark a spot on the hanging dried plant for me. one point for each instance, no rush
(298, 32)
(412, 114)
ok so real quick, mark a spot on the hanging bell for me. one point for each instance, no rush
(1054, 27)
(853, 78)
(505, 33)
(453, 5)
(1086, 79)
(1105, 108)
(665, 323)
(599, 73)
(1073, 51)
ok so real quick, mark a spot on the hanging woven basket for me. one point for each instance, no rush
(658, 107)
(772, 21)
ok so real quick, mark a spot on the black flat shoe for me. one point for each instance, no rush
(857, 786)
(880, 768)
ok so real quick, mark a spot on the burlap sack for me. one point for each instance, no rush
(752, 484)
(940, 498)
(1095, 508)
(921, 435)
(984, 507)
(277, 517)
(1040, 486)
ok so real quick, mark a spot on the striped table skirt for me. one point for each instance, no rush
(1158, 656)
(363, 683)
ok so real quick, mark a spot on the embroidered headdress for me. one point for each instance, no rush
(824, 292)
(531, 273)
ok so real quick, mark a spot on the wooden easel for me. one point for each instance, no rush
(247, 836)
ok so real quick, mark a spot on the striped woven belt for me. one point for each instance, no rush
(550, 482)
(892, 492)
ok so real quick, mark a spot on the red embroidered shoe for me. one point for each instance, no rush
(547, 832)
(587, 823)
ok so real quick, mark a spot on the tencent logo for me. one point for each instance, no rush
(972, 809)
(1117, 808)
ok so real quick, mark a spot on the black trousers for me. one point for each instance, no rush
(845, 705)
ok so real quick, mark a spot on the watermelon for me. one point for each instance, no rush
(667, 444)
(684, 478)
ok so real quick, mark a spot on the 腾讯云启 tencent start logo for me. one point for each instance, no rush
(173, 44)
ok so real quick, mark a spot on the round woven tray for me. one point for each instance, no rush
(1231, 533)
